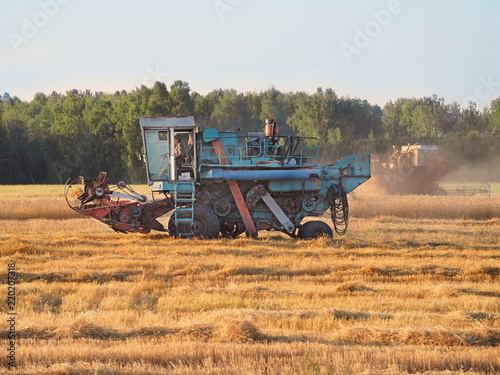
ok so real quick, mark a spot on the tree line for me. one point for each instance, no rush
(56, 136)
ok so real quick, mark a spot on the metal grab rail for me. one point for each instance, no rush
(261, 148)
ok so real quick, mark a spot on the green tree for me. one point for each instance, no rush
(472, 120)
(277, 106)
(56, 136)
(204, 106)
(252, 108)
(495, 116)
(428, 119)
(20, 162)
(159, 100)
(358, 118)
(230, 112)
(180, 101)
(126, 112)
(4, 148)
(100, 136)
(453, 117)
(391, 120)
(315, 116)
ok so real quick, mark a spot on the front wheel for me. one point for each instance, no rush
(205, 223)
(315, 229)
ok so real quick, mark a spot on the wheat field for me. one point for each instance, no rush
(412, 288)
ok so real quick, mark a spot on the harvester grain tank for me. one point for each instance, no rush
(222, 184)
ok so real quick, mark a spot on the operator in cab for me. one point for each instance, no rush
(179, 152)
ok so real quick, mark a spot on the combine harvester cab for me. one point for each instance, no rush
(221, 183)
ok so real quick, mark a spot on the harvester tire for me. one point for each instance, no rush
(205, 223)
(315, 229)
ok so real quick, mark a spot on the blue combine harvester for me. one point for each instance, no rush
(222, 183)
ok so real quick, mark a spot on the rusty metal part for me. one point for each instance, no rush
(291, 205)
(242, 208)
(308, 204)
(222, 207)
(468, 189)
(259, 192)
(203, 197)
(236, 191)
(101, 202)
(253, 197)
(95, 189)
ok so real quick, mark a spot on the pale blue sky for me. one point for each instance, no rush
(408, 47)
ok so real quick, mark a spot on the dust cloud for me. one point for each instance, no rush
(457, 174)
(372, 187)
(481, 172)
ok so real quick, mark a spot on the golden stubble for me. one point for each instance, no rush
(397, 294)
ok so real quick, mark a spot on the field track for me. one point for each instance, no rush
(412, 288)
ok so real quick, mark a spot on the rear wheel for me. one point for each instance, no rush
(205, 223)
(315, 229)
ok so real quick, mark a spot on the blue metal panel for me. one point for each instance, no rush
(351, 183)
(286, 186)
(210, 135)
(230, 143)
(354, 165)
(160, 186)
(352, 170)
(293, 174)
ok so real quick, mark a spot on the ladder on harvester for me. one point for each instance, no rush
(184, 194)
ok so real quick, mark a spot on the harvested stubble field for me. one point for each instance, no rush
(412, 288)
